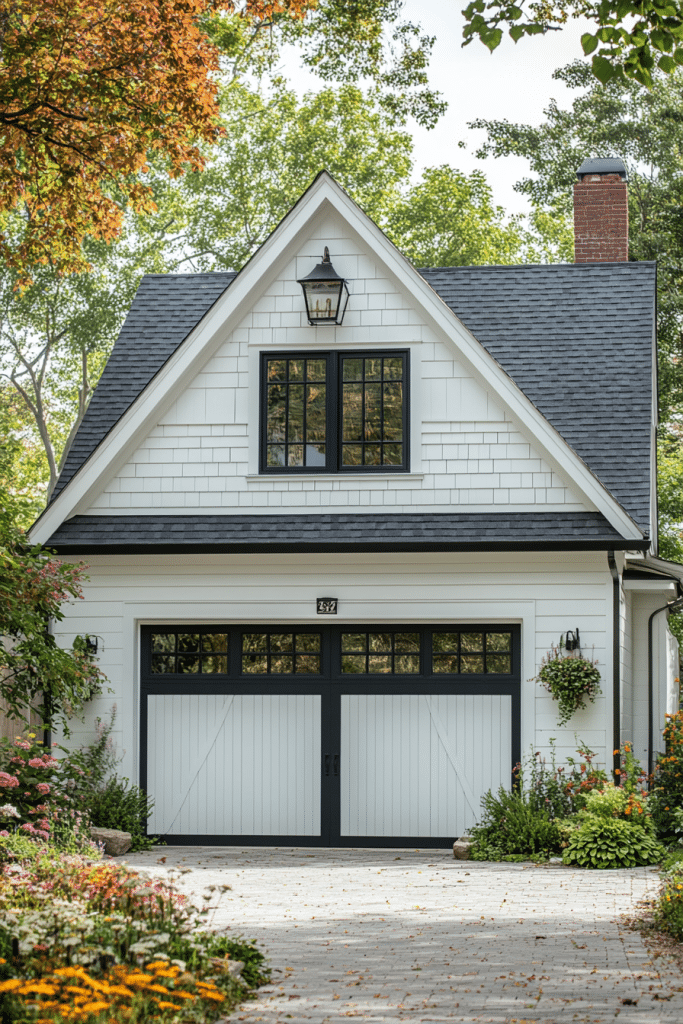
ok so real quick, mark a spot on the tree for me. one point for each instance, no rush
(631, 39)
(35, 674)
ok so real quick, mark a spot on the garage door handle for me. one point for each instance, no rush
(336, 764)
(326, 763)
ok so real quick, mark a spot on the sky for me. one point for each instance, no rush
(513, 83)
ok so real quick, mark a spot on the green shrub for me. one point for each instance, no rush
(121, 804)
(667, 787)
(510, 825)
(611, 843)
(609, 802)
(669, 908)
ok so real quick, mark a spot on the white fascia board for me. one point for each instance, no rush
(231, 307)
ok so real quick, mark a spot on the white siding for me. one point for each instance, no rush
(546, 593)
(465, 448)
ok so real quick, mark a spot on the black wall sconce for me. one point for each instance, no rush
(325, 293)
(91, 644)
(572, 640)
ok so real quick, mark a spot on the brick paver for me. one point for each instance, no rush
(412, 935)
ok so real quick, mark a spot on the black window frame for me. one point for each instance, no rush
(334, 411)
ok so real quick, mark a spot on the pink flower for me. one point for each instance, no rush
(4, 832)
(24, 744)
(43, 788)
(36, 762)
(8, 781)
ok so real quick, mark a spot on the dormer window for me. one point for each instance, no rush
(334, 412)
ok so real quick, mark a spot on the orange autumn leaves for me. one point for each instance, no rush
(70, 993)
(89, 90)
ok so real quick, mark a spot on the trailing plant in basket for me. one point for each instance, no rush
(571, 679)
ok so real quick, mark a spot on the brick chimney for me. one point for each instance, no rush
(601, 212)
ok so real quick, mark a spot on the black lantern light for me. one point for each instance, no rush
(325, 293)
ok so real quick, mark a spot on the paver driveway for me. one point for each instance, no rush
(389, 935)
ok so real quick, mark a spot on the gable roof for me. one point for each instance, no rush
(577, 339)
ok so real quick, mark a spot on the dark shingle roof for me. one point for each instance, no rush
(577, 339)
(165, 309)
(458, 531)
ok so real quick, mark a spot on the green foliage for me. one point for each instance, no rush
(510, 826)
(630, 39)
(34, 671)
(669, 906)
(571, 679)
(601, 842)
(123, 805)
(666, 793)
(609, 802)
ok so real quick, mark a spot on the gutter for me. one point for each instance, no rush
(616, 667)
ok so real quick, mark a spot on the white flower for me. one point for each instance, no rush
(7, 811)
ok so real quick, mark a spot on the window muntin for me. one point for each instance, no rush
(279, 653)
(478, 652)
(389, 652)
(334, 412)
(193, 652)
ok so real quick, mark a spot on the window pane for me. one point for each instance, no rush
(472, 663)
(316, 369)
(282, 664)
(498, 663)
(295, 455)
(498, 641)
(281, 642)
(471, 642)
(276, 428)
(445, 663)
(352, 455)
(373, 412)
(393, 368)
(407, 664)
(308, 641)
(443, 642)
(373, 368)
(315, 454)
(276, 455)
(315, 412)
(393, 412)
(254, 642)
(188, 642)
(353, 369)
(407, 642)
(373, 454)
(214, 642)
(307, 664)
(296, 369)
(188, 663)
(277, 369)
(255, 664)
(163, 663)
(353, 663)
(379, 663)
(295, 418)
(163, 643)
(352, 416)
(380, 642)
(353, 641)
(214, 663)
(392, 454)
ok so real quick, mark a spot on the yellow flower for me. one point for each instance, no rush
(11, 984)
(163, 1004)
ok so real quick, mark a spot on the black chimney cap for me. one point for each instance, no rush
(602, 165)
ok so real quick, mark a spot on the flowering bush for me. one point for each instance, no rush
(667, 783)
(571, 679)
(99, 943)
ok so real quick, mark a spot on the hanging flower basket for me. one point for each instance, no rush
(573, 681)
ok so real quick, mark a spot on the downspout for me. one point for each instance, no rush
(671, 606)
(616, 665)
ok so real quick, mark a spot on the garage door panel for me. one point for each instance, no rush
(236, 764)
(418, 765)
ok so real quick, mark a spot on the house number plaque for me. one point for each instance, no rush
(327, 605)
